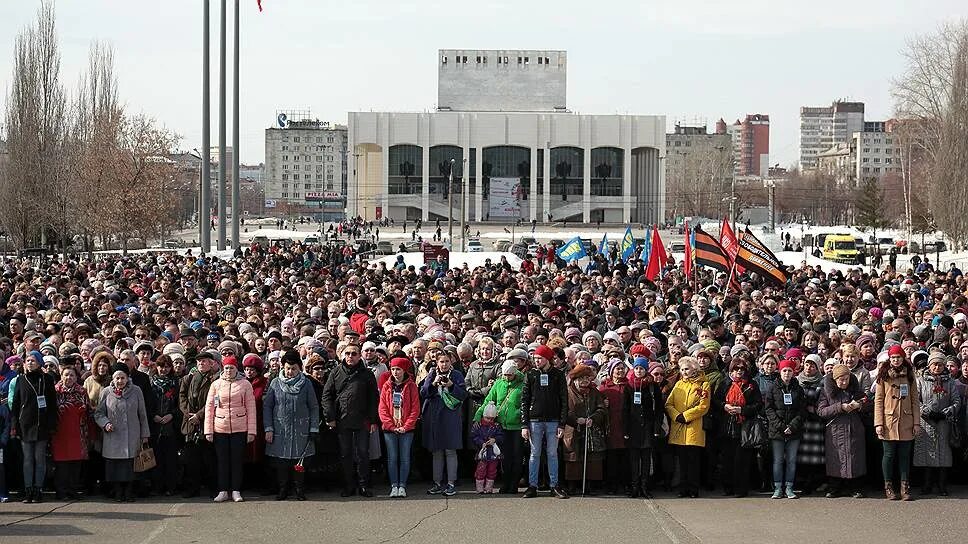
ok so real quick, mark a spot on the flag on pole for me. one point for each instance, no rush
(756, 257)
(572, 250)
(709, 252)
(603, 245)
(727, 239)
(657, 256)
(688, 258)
(260, 4)
(628, 244)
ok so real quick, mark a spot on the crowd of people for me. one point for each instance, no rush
(285, 370)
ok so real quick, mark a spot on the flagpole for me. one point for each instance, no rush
(729, 282)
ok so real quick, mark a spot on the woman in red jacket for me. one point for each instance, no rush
(399, 411)
(230, 422)
(616, 458)
(68, 446)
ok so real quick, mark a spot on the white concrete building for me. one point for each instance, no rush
(524, 157)
(305, 168)
(823, 127)
(877, 152)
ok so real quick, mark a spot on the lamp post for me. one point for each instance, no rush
(463, 205)
(205, 206)
(450, 205)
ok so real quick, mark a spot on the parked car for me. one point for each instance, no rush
(502, 245)
(528, 240)
(411, 247)
(533, 248)
(474, 246)
(311, 239)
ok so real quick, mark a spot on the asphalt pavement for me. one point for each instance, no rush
(468, 517)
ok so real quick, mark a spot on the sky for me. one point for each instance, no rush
(690, 60)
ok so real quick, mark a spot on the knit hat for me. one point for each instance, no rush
(640, 350)
(613, 336)
(120, 367)
(794, 353)
(935, 357)
(581, 371)
(656, 365)
(653, 344)
(641, 361)
(517, 353)
(401, 363)
(864, 339)
(572, 332)
(737, 349)
(813, 358)
(509, 367)
(490, 411)
(252, 360)
(591, 334)
(712, 346)
(738, 365)
(787, 363)
(230, 361)
(839, 370)
(896, 350)
(544, 351)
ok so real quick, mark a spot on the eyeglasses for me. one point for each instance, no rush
(369, 349)
(351, 353)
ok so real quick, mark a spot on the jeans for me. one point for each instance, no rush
(785, 449)
(543, 432)
(899, 450)
(451, 457)
(35, 462)
(229, 450)
(398, 457)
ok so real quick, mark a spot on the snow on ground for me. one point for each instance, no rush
(457, 259)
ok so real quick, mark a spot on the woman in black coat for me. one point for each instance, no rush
(786, 411)
(643, 410)
(33, 421)
(737, 400)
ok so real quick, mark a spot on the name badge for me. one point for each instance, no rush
(543, 380)
(788, 399)
(41, 402)
(637, 397)
(218, 402)
(904, 390)
(397, 399)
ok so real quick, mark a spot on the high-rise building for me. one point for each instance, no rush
(305, 168)
(754, 146)
(823, 127)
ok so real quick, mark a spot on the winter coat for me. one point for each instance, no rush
(728, 426)
(4, 424)
(230, 407)
(29, 421)
(71, 440)
(506, 395)
(897, 415)
(350, 397)
(591, 405)
(642, 419)
(255, 450)
(940, 405)
(128, 416)
(290, 412)
(481, 432)
(765, 384)
(409, 405)
(192, 395)
(478, 378)
(781, 416)
(166, 391)
(442, 426)
(544, 402)
(691, 399)
(614, 394)
(844, 438)
(811, 450)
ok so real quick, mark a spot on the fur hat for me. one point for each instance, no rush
(839, 370)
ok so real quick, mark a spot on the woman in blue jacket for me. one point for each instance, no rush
(443, 392)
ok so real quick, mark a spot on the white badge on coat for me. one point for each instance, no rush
(41, 402)
(397, 399)
(218, 402)
(543, 380)
(788, 399)
(637, 397)
(904, 390)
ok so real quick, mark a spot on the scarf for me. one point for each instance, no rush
(735, 397)
(897, 373)
(636, 383)
(164, 386)
(74, 396)
(119, 392)
(806, 381)
(292, 386)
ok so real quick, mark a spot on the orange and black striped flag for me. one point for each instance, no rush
(756, 257)
(709, 252)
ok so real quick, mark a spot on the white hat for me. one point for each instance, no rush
(509, 367)
(490, 411)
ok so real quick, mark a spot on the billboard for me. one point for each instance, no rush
(505, 198)
(270, 203)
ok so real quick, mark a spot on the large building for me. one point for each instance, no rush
(823, 127)
(698, 170)
(870, 154)
(503, 134)
(305, 168)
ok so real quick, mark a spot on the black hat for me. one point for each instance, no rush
(274, 334)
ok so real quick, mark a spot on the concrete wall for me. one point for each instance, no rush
(476, 80)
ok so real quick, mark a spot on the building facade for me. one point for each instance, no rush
(517, 157)
(822, 127)
(698, 170)
(305, 167)
(870, 154)
(754, 146)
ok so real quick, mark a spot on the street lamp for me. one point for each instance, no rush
(450, 205)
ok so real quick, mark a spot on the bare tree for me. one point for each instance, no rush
(949, 188)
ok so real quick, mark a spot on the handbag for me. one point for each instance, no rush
(752, 434)
(144, 460)
(450, 401)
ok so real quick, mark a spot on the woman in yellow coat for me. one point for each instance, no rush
(687, 404)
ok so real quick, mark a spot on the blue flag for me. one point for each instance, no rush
(572, 250)
(628, 244)
(604, 244)
(646, 247)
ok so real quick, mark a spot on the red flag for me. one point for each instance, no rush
(657, 258)
(728, 240)
(260, 4)
(688, 253)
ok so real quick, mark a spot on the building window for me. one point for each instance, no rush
(319, 139)
(285, 177)
(527, 60)
(295, 177)
(307, 186)
(888, 141)
(295, 138)
(540, 60)
(888, 161)
(877, 159)
(485, 59)
(285, 148)
(547, 60)
(867, 150)
(295, 158)
(285, 195)
(308, 167)
(866, 160)
(319, 158)
(319, 177)
(443, 59)
(329, 186)
(464, 59)
(285, 167)
(330, 140)
(285, 157)
(329, 177)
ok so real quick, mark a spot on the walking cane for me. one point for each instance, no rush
(584, 467)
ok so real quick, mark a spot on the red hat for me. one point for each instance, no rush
(545, 351)
(252, 360)
(401, 362)
(230, 361)
(787, 363)
(896, 350)
(639, 349)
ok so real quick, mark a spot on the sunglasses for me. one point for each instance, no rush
(351, 353)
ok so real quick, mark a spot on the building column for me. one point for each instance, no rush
(546, 164)
(479, 175)
(586, 212)
(351, 184)
(380, 199)
(425, 179)
(627, 184)
(660, 209)
(533, 196)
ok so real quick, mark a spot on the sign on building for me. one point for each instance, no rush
(270, 203)
(505, 198)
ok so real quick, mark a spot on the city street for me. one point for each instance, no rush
(469, 518)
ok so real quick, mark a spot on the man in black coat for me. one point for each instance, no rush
(544, 406)
(350, 400)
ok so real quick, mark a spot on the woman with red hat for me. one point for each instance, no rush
(230, 424)
(897, 418)
(399, 411)
(252, 369)
(786, 411)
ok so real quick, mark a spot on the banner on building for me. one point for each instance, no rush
(270, 203)
(505, 198)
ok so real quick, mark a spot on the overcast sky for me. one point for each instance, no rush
(689, 60)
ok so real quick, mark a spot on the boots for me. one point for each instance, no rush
(282, 481)
(777, 490)
(889, 493)
(299, 481)
(28, 495)
(943, 482)
(118, 492)
(480, 486)
(38, 495)
(489, 486)
(928, 486)
(905, 490)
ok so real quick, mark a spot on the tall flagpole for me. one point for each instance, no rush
(222, 150)
(205, 196)
(236, 187)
